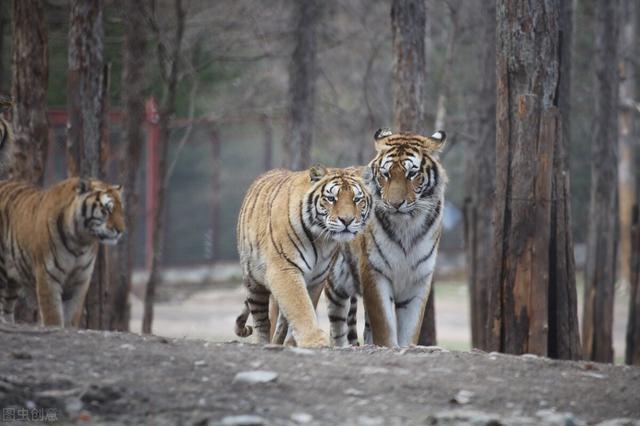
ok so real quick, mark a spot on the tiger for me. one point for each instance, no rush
(49, 241)
(289, 228)
(392, 262)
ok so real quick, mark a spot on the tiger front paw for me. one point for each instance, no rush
(314, 339)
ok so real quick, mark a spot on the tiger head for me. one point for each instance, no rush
(406, 173)
(99, 211)
(338, 202)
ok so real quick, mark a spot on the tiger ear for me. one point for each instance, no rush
(437, 140)
(379, 137)
(118, 189)
(83, 186)
(317, 172)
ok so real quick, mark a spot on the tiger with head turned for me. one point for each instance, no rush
(49, 241)
(289, 228)
(393, 260)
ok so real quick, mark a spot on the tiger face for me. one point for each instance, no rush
(101, 210)
(405, 172)
(339, 202)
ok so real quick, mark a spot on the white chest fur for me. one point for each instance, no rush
(403, 249)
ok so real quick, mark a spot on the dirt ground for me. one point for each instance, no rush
(209, 311)
(122, 378)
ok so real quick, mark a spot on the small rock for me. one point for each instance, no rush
(300, 351)
(464, 417)
(619, 422)
(301, 418)
(594, 375)
(73, 406)
(273, 347)
(58, 393)
(370, 421)
(353, 392)
(462, 397)
(255, 376)
(246, 420)
(373, 370)
(128, 346)
(200, 363)
(529, 356)
(553, 418)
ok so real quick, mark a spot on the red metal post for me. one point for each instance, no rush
(153, 136)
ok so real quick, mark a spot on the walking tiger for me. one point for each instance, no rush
(49, 240)
(289, 228)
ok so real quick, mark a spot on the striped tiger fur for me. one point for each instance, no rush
(289, 228)
(393, 261)
(49, 240)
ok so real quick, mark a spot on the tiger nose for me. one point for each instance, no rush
(397, 204)
(346, 220)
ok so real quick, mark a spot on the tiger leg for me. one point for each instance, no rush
(8, 299)
(366, 334)
(378, 303)
(338, 307)
(242, 329)
(281, 330)
(73, 303)
(410, 313)
(49, 295)
(352, 322)
(274, 311)
(314, 292)
(290, 291)
(258, 302)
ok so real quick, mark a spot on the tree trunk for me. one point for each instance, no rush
(302, 77)
(215, 191)
(87, 82)
(529, 226)
(564, 337)
(85, 88)
(133, 87)
(29, 81)
(167, 109)
(602, 239)
(267, 132)
(480, 173)
(3, 21)
(408, 26)
(30, 73)
(626, 178)
(632, 353)
(408, 21)
(445, 82)
(628, 132)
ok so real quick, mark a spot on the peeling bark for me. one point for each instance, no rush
(531, 222)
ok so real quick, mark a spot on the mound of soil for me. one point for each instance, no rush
(77, 375)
